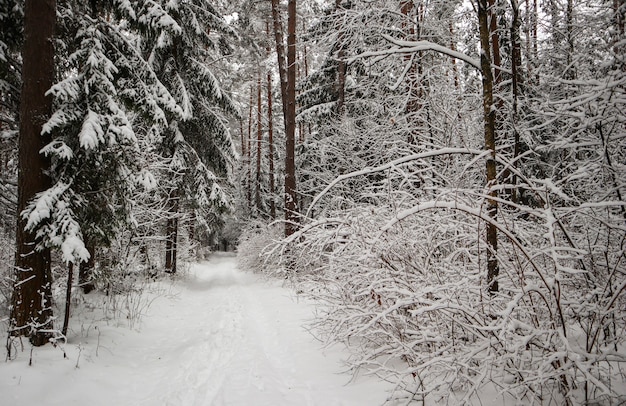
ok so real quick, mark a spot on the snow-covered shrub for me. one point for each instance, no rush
(403, 283)
(253, 241)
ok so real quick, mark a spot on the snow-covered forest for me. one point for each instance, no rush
(443, 181)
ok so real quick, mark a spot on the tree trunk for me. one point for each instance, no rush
(341, 67)
(495, 45)
(259, 140)
(619, 13)
(412, 28)
(85, 270)
(31, 311)
(248, 158)
(306, 127)
(516, 67)
(270, 141)
(455, 69)
(171, 242)
(243, 139)
(68, 298)
(413, 105)
(619, 10)
(489, 117)
(280, 53)
(291, 200)
(535, 40)
(288, 93)
(569, 32)
(531, 39)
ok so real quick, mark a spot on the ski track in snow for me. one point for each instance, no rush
(224, 337)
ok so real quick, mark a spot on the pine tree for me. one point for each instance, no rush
(31, 307)
(287, 73)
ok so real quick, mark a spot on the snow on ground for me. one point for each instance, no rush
(217, 337)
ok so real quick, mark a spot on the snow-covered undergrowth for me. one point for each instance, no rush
(7, 255)
(404, 285)
(252, 241)
(121, 301)
(127, 278)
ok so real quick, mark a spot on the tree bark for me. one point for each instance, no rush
(414, 78)
(291, 200)
(516, 67)
(288, 92)
(270, 141)
(68, 298)
(619, 10)
(270, 131)
(243, 139)
(31, 311)
(495, 44)
(85, 270)
(280, 52)
(259, 141)
(306, 127)
(248, 157)
(341, 66)
(171, 241)
(455, 69)
(569, 32)
(531, 39)
(489, 118)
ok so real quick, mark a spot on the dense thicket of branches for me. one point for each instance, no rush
(431, 286)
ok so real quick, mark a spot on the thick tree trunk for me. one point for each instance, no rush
(489, 117)
(31, 311)
(288, 93)
(291, 200)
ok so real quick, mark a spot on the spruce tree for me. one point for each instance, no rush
(198, 145)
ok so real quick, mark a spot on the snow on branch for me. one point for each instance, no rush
(51, 215)
(392, 164)
(404, 47)
(476, 212)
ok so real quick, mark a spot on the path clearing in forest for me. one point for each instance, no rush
(218, 336)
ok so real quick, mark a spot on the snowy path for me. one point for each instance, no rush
(223, 337)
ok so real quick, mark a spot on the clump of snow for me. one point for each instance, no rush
(91, 133)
